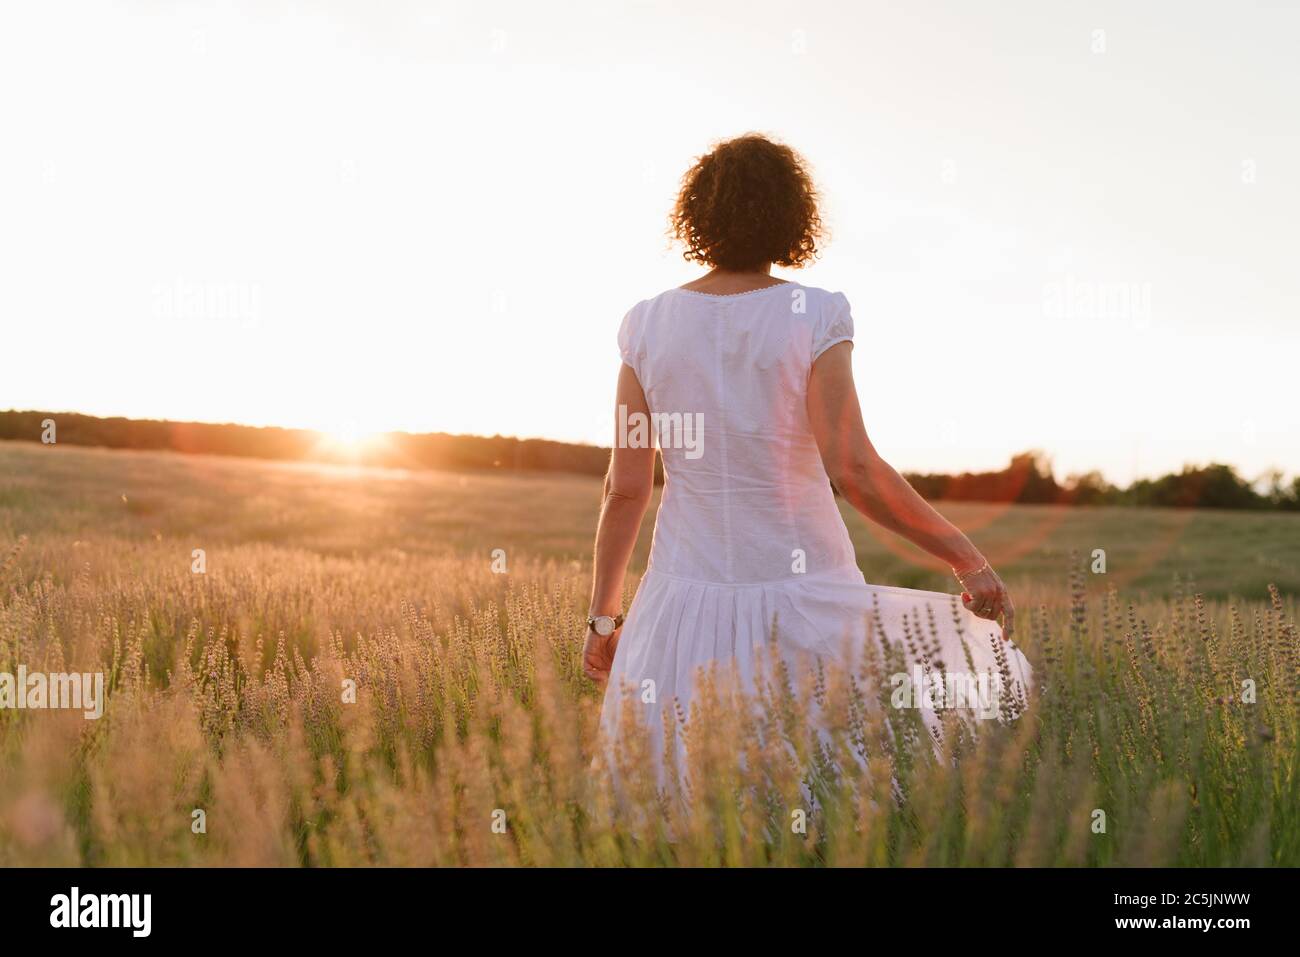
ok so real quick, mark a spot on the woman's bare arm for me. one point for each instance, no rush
(874, 487)
(629, 484)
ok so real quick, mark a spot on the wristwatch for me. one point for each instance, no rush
(604, 625)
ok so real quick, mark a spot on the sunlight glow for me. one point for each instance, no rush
(349, 442)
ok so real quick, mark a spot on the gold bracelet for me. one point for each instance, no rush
(961, 579)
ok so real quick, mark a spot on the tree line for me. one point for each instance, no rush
(1027, 479)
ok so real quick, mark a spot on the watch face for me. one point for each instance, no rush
(604, 626)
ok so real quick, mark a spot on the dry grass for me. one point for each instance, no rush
(226, 695)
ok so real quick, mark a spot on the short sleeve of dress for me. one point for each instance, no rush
(629, 339)
(834, 325)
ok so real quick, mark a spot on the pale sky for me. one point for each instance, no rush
(1062, 225)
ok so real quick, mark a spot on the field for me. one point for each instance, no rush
(1163, 731)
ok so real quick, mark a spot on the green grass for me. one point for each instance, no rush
(226, 686)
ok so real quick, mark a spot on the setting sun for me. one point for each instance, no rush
(349, 441)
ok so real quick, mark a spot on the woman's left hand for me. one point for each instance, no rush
(598, 654)
(985, 596)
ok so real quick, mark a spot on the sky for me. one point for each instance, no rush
(1066, 226)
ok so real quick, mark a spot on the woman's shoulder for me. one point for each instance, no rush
(820, 292)
(819, 296)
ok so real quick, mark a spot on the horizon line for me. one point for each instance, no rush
(379, 433)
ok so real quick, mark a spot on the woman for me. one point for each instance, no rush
(749, 381)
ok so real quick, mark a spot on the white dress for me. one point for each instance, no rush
(749, 540)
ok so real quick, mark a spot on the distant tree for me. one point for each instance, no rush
(1213, 486)
(1032, 472)
(1090, 488)
(1278, 494)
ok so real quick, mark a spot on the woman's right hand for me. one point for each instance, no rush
(598, 654)
(985, 596)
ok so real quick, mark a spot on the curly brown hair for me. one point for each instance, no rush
(748, 203)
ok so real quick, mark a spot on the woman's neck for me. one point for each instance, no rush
(730, 281)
